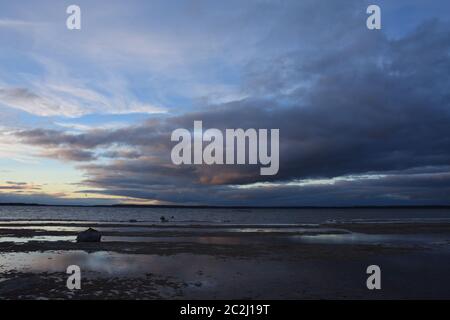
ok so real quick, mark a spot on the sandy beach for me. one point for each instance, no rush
(174, 261)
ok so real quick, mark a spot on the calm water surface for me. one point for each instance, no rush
(236, 216)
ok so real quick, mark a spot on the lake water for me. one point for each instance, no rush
(227, 216)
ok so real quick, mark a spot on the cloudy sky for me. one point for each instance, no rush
(86, 116)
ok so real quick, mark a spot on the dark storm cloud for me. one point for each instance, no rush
(399, 189)
(348, 103)
(96, 138)
(80, 155)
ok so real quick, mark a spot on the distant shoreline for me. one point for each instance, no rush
(226, 207)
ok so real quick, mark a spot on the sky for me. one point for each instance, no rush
(87, 115)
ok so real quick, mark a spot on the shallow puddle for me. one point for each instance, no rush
(37, 238)
(361, 238)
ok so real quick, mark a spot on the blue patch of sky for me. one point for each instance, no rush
(399, 18)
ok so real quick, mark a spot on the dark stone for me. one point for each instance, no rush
(90, 235)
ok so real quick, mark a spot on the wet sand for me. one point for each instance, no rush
(169, 261)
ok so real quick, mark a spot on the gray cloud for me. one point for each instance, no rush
(14, 186)
(23, 98)
(69, 155)
(351, 102)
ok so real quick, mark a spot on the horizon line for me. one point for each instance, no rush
(225, 206)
